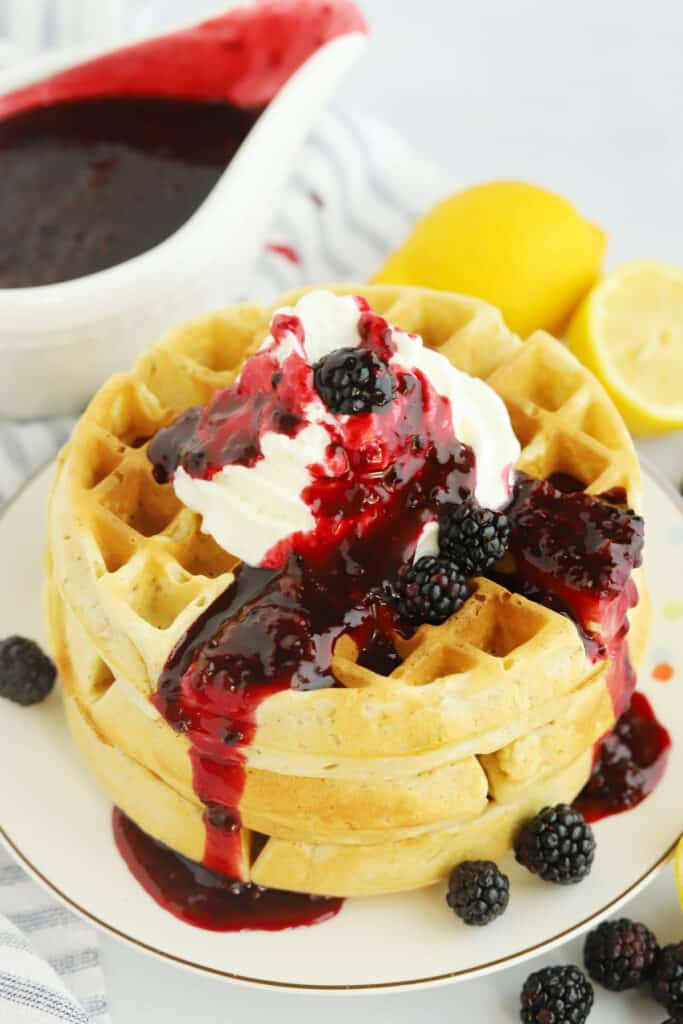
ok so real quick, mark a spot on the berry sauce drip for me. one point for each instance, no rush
(288, 252)
(630, 762)
(575, 552)
(386, 472)
(209, 900)
(379, 653)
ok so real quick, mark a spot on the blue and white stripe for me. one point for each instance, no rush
(49, 959)
(24, 447)
(354, 197)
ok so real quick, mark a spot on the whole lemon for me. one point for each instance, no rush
(522, 248)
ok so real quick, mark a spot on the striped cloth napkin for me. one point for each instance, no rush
(49, 959)
(356, 194)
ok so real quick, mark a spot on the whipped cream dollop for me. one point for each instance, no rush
(249, 510)
(257, 494)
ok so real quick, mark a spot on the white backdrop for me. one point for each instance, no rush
(584, 96)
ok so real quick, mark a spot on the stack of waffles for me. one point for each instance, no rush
(382, 783)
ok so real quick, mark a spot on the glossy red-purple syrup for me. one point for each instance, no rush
(218, 713)
(378, 653)
(91, 183)
(575, 552)
(630, 761)
(105, 160)
(386, 472)
(288, 252)
(243, 57)
(206, 899)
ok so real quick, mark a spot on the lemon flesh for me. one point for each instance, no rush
(522, 248)
(629, 332)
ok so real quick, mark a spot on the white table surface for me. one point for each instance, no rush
(585, 97)
(144, 991)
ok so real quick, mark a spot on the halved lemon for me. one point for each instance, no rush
(629, 332)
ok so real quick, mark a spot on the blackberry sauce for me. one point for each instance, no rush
(206, 899)
(104, 160)
(575, 553)
(629, 763)
(91, 183)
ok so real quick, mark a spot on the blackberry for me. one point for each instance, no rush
(26, 673)
(478, 892)
(557, 845)
(431, 590)
(473, 537)
(667, 979)
(556, 995)
(620, 954)
(353, 380)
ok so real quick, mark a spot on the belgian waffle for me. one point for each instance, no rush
(382, 783)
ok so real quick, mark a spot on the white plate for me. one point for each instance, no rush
(57, 822)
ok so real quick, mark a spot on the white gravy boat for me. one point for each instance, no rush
(59, 342)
